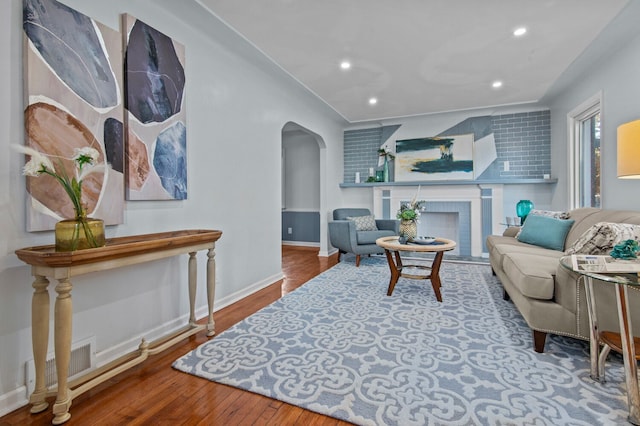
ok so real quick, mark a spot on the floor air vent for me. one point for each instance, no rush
(82, 360)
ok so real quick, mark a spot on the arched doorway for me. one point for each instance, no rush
(303, 188)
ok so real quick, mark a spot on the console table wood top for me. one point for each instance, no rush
(117, 247)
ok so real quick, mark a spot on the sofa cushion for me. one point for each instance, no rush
(531, 274)
(370, 237)
(364, 223)
(601, 237)
(545, 231)
(498, 251)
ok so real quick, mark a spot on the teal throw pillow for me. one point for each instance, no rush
(544, 231)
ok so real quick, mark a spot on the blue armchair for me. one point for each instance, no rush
(344, 236)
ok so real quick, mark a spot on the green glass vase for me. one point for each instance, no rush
(79, 234)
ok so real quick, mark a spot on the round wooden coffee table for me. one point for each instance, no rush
(439, 246)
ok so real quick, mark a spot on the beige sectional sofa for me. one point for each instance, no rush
(550, 298)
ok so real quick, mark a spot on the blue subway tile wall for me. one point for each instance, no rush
(361, 150)
(522, 139)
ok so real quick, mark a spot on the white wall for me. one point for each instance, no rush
(237, 105)
(301, 171)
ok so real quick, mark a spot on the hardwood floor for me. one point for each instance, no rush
(154, 393)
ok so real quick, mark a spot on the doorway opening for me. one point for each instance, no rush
(303, 223)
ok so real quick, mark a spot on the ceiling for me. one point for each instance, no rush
(419, 56)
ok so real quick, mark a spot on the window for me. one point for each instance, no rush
(584, 133)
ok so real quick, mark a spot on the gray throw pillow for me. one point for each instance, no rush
(364, 223)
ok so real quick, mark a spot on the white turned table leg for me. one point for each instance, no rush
(211, 290)
(193, 283)
(40, 341)
(62, 337)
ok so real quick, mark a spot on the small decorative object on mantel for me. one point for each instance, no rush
(627, 249)
(383, 152)
(408, 215)
(81, 232)
(523, 208)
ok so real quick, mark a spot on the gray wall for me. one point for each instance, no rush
(615, 73)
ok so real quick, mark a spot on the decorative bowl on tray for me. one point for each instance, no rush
(424, 240)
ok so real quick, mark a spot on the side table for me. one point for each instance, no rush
(623, 342)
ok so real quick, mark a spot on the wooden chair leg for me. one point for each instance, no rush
(357, 260)
(539, 338)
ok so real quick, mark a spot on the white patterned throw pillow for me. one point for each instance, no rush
(364, 223)
(551, 213)
(601, 237)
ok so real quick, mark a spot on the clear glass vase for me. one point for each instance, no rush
(79, 234)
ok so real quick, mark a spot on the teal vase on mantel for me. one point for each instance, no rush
(523, 208)
(385, 169)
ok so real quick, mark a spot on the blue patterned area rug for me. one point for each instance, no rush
(339, 346)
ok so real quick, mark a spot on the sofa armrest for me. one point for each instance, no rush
(511, 231)
(388, 225)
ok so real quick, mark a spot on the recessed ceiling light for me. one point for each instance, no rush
(345, 65)
(373, 101)
(520, 31)
(496, 84)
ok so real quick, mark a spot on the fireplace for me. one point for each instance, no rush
(464, 213)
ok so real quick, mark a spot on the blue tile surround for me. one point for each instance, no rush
(523, 139)
(463, 209)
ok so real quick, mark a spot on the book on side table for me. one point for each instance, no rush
(604, 264)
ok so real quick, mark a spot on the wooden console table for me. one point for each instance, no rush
(46, 263)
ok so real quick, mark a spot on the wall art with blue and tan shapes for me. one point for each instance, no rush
(156, 147)
(73, 99)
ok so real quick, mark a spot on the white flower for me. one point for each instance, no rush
(37, 163)
(90, 154)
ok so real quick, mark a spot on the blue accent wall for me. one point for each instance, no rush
(305, 226)
(523, 139)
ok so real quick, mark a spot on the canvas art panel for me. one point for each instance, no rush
(434, 158)
(156, 137)
(73, 99)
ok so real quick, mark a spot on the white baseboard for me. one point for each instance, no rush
(13, 400)
(327, 253)
(241, 294)
(174, 325)
(300, 243)
(18, 398)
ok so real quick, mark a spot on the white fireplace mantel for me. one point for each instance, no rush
(485, 201)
